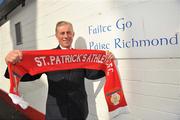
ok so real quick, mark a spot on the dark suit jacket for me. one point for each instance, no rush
(67, 98)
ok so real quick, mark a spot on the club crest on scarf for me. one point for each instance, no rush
(115, 98)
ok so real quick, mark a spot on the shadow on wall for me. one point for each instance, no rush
(80, 43)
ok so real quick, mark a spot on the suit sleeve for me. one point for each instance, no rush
(26, 77)
(94, 74)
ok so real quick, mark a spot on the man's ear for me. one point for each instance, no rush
(56, 36)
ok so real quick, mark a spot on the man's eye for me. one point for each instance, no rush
(69, 33)
(62, 33)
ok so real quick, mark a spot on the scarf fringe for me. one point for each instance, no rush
(119, 111)
(19, 101)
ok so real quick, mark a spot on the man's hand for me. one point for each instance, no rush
(13, 57)
(110, 56)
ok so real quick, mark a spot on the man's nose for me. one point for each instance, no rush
(65, 34)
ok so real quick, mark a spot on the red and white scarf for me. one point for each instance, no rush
(40, 61)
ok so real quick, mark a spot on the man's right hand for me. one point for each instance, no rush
(14, 57)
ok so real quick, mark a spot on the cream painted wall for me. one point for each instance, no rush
(5, 45)
(150, 76)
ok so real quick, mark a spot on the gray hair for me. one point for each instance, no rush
(61, 23)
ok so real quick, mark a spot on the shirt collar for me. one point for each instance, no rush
(63, 47)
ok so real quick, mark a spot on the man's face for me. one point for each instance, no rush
(65, 35)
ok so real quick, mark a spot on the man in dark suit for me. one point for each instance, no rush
(67, 98)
